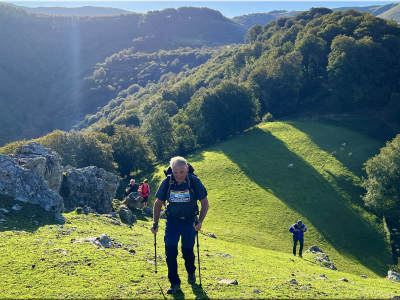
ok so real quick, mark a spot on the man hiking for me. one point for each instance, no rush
(298, 229)
(131, 188)
(181, 190)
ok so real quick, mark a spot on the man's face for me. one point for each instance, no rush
(179, 173)
(132, 183)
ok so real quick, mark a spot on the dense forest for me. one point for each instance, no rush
(45, 58)
(171, 102)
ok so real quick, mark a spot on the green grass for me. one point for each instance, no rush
(44, 263)
(254, 198)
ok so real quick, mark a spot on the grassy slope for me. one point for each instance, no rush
(41, 262)
(255, 198)
(391, 14)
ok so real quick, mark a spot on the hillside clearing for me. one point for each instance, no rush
(255, 198)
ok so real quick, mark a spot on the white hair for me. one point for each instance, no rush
(132, 180)
(178, 161)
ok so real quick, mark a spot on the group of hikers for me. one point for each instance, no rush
(179, 192)
(143, 190)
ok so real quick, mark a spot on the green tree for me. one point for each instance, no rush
(382, 184)
(226, 110)
(185, 138)
(160, 132)
(254, 32)
(313, 50)
(131, 151)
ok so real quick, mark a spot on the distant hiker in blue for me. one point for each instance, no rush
(298, 229)
(181, 189)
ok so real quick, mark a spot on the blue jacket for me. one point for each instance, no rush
(299, 234)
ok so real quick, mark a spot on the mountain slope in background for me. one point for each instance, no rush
(387, 11)
(46, 58)
(392, 14)
(78, 11)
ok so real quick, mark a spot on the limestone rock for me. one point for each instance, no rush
(101, 241)
(211, 235)
(16, 207)
(89, 186)
(343, 279)
(321, 257)
(126, 215)
(294, 281)
(4, 211)
(393, 275)
(133, 201)
(27, 185)
(147, 211)
(227, 281)
(44, 161)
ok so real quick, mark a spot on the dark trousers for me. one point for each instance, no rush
(295, 244)
(188, 255)
(173, 232)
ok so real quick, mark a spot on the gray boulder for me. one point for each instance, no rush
(321, 257)
(133, 201)
(27, 185)
(89, 186)
(44, 161)
(393, 275)
(147, 211)
(126, 215)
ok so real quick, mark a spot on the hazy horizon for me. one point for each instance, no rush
(229, 9)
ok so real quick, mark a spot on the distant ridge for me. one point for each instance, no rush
(392, 14)
(78, 11)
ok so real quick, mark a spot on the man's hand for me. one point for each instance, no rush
(198, 226)
(295, 230)
(304, 230)
(154, 228)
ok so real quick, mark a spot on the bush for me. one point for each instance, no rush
(268, 118)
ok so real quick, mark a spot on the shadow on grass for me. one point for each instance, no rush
(29, 218)
(306, 191)
(179, 295)
(199, 292)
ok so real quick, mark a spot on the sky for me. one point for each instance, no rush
(229, 9)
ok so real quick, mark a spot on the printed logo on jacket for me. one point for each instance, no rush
(179, 196)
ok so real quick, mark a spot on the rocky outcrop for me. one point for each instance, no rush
(43, 161)
(321, 257)
(89, 186)
(24, 175)
(126, 215)
(147, 211)
(393, 275)
(133, 201)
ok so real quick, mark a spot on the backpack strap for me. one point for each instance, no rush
(189, 178)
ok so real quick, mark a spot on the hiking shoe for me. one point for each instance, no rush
(174, 288)
(192, 278)
(301, 256)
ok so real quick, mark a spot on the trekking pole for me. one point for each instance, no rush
(198, 250)
(155, 247)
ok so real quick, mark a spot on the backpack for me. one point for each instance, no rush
(181, 210)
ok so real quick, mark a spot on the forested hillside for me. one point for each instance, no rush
(317, 62)
(47, 57)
